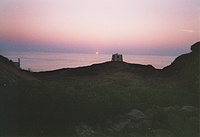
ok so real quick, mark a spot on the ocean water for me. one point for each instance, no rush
(43, 61)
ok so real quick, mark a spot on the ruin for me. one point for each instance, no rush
(17, 64)
(117, 57)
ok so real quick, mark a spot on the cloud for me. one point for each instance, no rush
(187, 30)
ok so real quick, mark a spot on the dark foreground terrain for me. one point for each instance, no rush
(112, 99)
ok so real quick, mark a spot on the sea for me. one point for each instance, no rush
(46, 61)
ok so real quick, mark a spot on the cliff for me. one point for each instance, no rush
(186, 64)
(186, 67)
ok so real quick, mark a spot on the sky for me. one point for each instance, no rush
(160, 27)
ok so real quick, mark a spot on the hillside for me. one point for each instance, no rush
(9, 73)
(186, 64)
(186, 68)
(111, 99)
(102, 69)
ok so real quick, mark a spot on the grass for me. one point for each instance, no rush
(55, 103)
(52, 106)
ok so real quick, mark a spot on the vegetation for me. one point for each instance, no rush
(90, 101)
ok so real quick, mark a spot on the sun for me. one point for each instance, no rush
(97, 53)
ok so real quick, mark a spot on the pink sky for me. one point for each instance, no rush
(123, 25)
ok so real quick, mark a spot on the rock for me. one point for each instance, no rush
(134, 134)
(189, 109)
(143, 124)
(162, 133)
(84, 130)
(185, 66)
(135, 115)
(170, 109)
(195, 47)
(135, 119)
(120, 125)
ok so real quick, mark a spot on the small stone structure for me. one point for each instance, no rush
(17, 64)
(117, 57)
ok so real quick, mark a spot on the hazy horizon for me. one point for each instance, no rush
(136, 27)
(44, 61)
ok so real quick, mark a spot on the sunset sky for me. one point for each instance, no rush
(164, 27)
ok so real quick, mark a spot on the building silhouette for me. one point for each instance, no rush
(17, 64)
(117, 57)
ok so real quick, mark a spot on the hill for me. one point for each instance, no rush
(186, 68)
(102, 69)
(186, 65)
(9, 73)
(110, 99)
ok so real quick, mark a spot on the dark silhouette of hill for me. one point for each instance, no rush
(186, 67)
(186, 64)
(106, 99)
(9, 73)
(100, 69)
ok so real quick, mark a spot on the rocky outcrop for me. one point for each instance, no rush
(83, 130)
(185, 70)
(135, 115)
(133, 120)
(196, 47)
(186, 65)
(159, 122)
